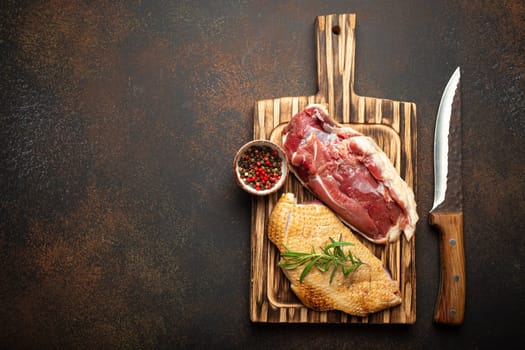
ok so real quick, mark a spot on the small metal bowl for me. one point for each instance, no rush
(237, 168)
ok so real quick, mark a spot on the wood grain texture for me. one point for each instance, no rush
(450, 306)
(392, 124)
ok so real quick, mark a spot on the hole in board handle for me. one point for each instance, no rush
(336, 30)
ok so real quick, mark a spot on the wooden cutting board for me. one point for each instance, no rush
(393, 126)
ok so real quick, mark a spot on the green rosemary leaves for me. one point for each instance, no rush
(330, 256)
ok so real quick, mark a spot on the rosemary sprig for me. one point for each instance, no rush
(330, 255)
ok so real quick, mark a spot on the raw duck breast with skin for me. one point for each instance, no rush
(349, 173)
(306, 226)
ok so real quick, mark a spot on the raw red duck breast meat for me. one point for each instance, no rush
(350, 174)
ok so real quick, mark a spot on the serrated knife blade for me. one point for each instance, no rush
(447, 210)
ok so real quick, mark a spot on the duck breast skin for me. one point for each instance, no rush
(307, 226)
(349, 173)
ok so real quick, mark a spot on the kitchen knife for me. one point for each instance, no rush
(447, 211)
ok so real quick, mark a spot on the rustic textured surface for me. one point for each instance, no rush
(120, 222)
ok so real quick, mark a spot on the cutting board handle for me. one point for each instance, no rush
(335, 39)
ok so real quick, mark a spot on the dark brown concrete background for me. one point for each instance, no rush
(120, 221)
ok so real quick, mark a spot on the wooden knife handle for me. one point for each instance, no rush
(450, 305)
